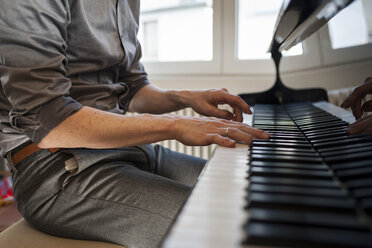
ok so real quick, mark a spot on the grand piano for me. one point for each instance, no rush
(310, 185)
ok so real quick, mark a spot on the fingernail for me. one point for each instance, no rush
(351, 130)
(266, 135)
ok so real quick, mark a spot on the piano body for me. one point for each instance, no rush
(310, 185)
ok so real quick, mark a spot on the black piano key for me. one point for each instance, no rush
(348, 157)
(286, 158)
(345, 147)
(326, 135)
(300, 202)
(293, 173)
(274, 122)
(359, 183)
(352, 165)
(325, 131)
(358, 173)
(256, 142)
(277, 138)
(342, 137)
(276, 128)
(347, 151)
(277, 164)
(282, 149)
(347, 141)
(363, 192)
(306, 114)
(323, 125)
(303, 182)
(307, 218)
(366, 205)
(280, 189)
(281, 144)
(304, 123)
(287, 133)
(289, 153)
(260, 233)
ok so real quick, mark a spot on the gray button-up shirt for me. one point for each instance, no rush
(56, 56)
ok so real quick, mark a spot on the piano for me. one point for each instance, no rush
(310, 185)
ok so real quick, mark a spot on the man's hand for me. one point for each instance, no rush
(206, 103)
(206, 131)
(362, 125)
(355, 99)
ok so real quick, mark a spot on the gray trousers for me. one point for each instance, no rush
(128, 196)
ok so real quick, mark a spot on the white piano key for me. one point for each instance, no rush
(337, 111)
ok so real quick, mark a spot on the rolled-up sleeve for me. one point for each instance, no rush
(133, 74)
(33, 65)
(135, 78)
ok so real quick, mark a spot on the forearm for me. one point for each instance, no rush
(151, 99)
(92, 128)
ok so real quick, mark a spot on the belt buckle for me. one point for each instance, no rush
(71, 164)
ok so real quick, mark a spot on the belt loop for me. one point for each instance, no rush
(10, 164)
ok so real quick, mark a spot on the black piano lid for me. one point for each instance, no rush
(298, 19)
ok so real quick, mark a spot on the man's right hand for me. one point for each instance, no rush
(354, 101)
(205, 131)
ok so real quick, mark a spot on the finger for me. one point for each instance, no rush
(220, 113)
(257, 133)
(235, 101)
(367, 106)
(238, 115)
(358, 93)
(357, 109)
(367, 79)
(369, 130)
(346, 103)
(360, 125)
(220, 140)
(240, 136)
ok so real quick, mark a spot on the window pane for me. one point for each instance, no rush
(256, 21)
(342, 27)
(176, 30)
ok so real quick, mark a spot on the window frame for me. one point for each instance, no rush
(317, 52)
(194, 67)
(232, 65)
(342, 55)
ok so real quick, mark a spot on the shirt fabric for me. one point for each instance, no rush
(57, 56)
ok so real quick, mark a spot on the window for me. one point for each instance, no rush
(342, 27)
(348, 35)
(176, 30)
(256, 21)
(225, 37)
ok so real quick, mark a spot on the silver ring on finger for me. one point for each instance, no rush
(227, 132)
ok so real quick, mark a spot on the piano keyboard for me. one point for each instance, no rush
(309, 185)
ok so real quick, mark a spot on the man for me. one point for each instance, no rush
(69, 70)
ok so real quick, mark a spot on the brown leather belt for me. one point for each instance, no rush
(27, 151)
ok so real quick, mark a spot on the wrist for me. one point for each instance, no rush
(180, 98)
(168, 126)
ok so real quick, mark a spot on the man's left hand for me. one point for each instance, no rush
(206, 103)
